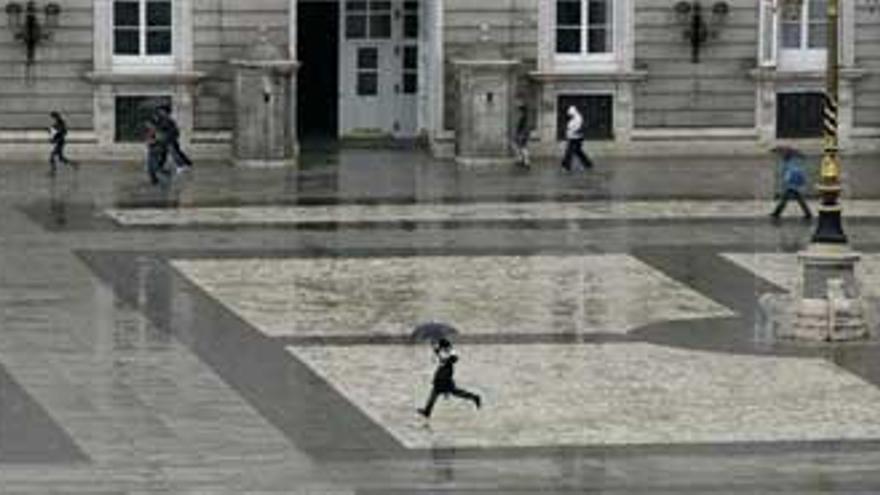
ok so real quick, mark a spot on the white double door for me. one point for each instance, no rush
(379, 68)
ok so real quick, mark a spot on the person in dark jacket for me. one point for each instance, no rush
(521, 137)
(793, 181)
(171, 132)
(157, 152)
(444, 382)
(58, 138)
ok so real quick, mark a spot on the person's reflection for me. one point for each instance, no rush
(443, 463)
(61, 192)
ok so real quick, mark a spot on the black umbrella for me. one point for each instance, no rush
(433, 331)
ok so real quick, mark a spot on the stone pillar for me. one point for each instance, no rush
(264, 101)
(486, 92)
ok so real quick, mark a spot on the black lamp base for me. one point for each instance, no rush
(829, 229)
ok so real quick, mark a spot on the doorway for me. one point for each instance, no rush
(318, 77)
(380, 67)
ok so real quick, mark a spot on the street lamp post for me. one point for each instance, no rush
(830, 305)
(829, 229)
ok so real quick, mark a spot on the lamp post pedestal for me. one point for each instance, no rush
(829, 304)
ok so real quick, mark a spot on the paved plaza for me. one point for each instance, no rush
(249, 331)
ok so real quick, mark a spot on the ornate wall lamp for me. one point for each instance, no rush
(698, 30)
(25, 23)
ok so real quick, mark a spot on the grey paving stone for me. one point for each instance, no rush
(164, 390)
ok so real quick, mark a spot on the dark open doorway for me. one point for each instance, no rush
(318, 78)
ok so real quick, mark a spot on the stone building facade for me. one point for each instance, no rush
(383, 69)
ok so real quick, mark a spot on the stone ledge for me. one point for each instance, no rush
(648, 134)
(283, 66)
(773, 74)
(106, 77)
(627, 76)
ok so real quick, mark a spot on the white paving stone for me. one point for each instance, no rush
(592, 210)
(483, 294)
(614, 394)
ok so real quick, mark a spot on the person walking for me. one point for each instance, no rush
(444, 383)
(574, 137)
(171, 132)
(157, 152)
(58, 138)
(521, 137)
(793, 181)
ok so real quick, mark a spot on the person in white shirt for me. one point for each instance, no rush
(574, 137)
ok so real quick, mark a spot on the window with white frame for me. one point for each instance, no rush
(142, 32)
(804, 26)
(584, 28)
(794, 34)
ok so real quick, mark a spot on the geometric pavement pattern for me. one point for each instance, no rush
(346, 392)
(345, 319)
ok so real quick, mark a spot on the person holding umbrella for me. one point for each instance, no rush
(444, 383)
(793, 181)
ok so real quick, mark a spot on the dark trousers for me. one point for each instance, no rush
(792, 194)
(179, 156)
(57, 155)
(574, 148)
(457, 392)
(156, 156)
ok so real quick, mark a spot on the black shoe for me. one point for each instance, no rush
(478, 401)
(423, 412)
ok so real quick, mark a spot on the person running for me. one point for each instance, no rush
(157, 152)
(574, 137)
(58, 138)
(521, 137)
(171, 132)
(793, 181)
(444, 384)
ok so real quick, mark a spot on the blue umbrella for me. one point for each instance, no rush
(433, 331)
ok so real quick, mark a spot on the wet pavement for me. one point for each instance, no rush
(248, 331)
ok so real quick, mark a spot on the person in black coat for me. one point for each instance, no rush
(444, 383)
(58, 138)
(521, 137)
(157, 152)
(171, 132)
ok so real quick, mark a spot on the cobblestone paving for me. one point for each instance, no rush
(183, 353)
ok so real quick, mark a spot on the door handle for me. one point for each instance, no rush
(397, 88)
